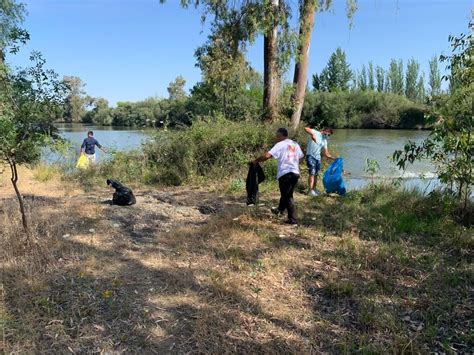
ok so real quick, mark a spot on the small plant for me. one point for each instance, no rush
(371, 167)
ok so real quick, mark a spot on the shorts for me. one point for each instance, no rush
(91, 158)
(313, 164)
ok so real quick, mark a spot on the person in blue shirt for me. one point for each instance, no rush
(317, 145)
(88, 147)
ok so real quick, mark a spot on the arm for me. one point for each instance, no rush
(311, 133)
(327, 154)
(100, 147)
(262, 158)
(83, 146)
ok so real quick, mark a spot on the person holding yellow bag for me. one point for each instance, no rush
(88, 151)
(88, 147)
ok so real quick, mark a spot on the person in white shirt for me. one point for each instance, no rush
(288, 155)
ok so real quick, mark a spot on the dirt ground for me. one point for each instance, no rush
(191, 271)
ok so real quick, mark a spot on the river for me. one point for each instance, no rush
(354, 145)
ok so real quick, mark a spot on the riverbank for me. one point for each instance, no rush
(189, 270)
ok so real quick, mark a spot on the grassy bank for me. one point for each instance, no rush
(379, 271)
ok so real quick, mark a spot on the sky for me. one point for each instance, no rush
(128, 50)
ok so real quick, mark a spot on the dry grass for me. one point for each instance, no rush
(171, 280)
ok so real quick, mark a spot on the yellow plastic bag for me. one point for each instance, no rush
(82, 162)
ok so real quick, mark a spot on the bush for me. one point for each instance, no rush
(362, 109)
(216, 148)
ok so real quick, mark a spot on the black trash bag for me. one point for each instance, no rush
(255, 176)
(123, 196)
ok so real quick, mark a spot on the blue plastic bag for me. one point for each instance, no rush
(332, 178)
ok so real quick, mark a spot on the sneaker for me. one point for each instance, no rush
(276, 211)
(292, 223)
(314, 193)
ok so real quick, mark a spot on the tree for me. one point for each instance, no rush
(420, 89)
(225, 72)
(176, 89)
(371, 79)
(316, 83)
(362, 79)
(11, 15)
(395, 77)
(413, 68)
(29, 103)
(434, 78)
(337, 74)
(100, 113)
(307, 12)
(380, 75)
(75, 105)
(450, 145)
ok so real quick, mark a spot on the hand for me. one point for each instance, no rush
(254, 162)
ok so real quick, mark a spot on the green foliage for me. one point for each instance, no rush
(215, 149)
(395, 77)
(380, 74)
(11, 15)
(413, 68)
(337, 73)
(76, 100)
(30, 100)
(450, 146)
(435, 78)
(176, 89)
(362, 109)
(371, 167)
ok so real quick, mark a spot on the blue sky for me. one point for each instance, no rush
(127, 50)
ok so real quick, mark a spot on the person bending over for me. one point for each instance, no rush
(317, 145)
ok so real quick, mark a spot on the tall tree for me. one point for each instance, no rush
(434, 80)
(337, 74)
(395, 77)
(75, 105)
(316, 82)
(307, 13)
(176, 89)
(413, 68)
(420, 88)
(271, 78)
(371, 78)
(362, 79)
(380, 75)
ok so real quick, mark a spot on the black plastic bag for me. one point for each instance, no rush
(123, 196)
(255, 176)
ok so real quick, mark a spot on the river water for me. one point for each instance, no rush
(354, 145)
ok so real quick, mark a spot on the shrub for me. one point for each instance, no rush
(362, 109)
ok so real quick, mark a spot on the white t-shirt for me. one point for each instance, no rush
(288, 155)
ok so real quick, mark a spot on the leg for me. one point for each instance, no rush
(290, 203)
(311, 182)
(311, 164)
(283, 184)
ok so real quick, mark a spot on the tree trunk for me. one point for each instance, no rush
(271, 82)
(14, 180)
(307, 13)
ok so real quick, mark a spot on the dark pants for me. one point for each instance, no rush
(287, 184)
